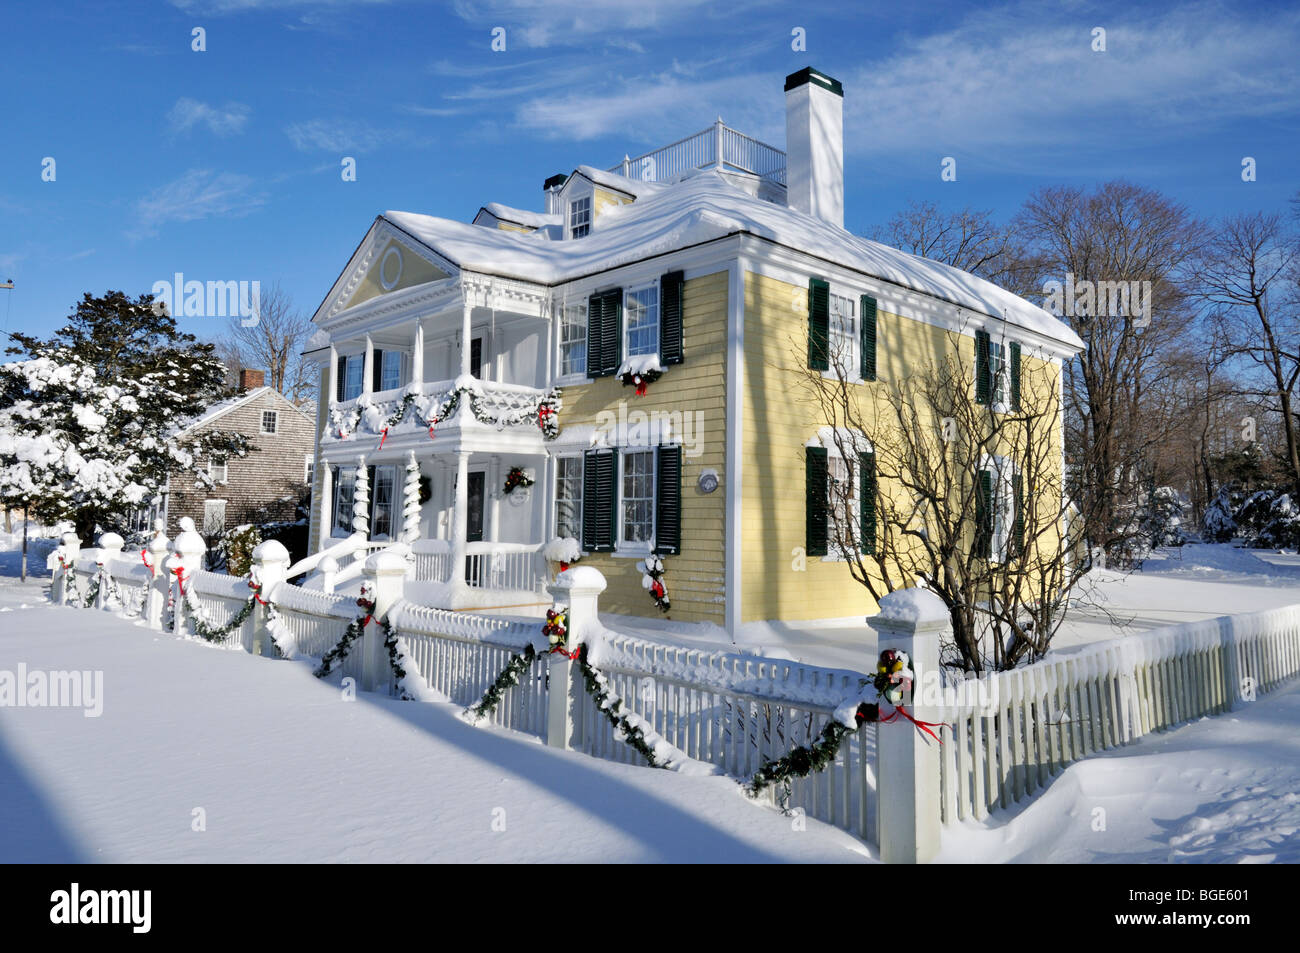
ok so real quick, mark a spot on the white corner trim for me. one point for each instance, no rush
(735, 452)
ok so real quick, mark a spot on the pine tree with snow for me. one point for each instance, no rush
(411, 501)
(1218, 524)
(89, 418)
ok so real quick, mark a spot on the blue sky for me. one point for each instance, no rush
(225, 164)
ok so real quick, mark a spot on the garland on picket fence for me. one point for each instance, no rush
(93, 594)
(399, 673)
(220, 633)
(610, 705)
(508, 679)
(353, 632)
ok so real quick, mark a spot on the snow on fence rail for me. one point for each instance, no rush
(1047, 715)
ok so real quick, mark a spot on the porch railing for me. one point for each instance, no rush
(488, 565)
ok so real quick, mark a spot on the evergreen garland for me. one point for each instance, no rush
(353, 632)
(92, 595)
(508, 679)
(545, 414)
(390, 643)
(804, 760)
(219, 633)
(607, 703)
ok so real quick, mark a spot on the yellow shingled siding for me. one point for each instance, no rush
(697, 386)
(777, 425)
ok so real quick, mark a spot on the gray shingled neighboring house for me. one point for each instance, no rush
(265, 485)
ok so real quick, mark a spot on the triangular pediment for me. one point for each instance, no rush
(386, 262)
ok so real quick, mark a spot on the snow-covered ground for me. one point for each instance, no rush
(284, 770)
(1221, 790)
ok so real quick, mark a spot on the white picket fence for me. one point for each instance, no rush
(735, 712)
(1043, 717)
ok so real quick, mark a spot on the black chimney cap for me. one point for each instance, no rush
(810, 75)
(554, 181)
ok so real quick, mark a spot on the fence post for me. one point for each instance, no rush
(156, 593)
(270, 563)
(110, 547)
(184, 562)
(912, 621)
(69, 547)
(385, 574)
(579, 590)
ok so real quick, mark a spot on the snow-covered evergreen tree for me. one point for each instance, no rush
(88, 420)
(1219, 525)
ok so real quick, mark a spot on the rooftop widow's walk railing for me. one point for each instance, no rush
(718, 146)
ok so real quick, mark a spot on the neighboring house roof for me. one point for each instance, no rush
(223, 407)
(703, 207)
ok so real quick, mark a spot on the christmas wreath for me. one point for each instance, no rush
(641, 380)
(652, 581)
(515, 479)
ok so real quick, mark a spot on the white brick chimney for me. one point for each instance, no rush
(814, 144)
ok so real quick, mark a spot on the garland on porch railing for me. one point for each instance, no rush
(893, 678)
(353, 632)
(545, 414)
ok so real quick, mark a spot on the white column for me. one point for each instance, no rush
(156, 596)
(460, 518)
(333, 392)
(907, 815)
(494, 480)
(466, 329)
(325, 528)
(417, 359)
(368, 371)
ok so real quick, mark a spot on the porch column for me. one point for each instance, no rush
(368, 371)
(325, 515)
(460, 518)
(332, 394)
(417, 359)
(466, 330)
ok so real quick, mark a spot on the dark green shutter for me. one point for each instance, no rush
(598, 476)
(819, 324)
(668, 501)
(1015, 375)
(604, 332)
(983, 377)
(868, 335)
(377, 370)
(815, 497)
(984, 514)
(1018, 527)
(340, 378)
(670, 318)
(867, 502)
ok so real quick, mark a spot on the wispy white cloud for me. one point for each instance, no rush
(221, 120)
(338, 135)
(196, 195)
(220, 7)
(556, 23)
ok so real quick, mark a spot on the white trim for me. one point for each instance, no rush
(736, 272)
(394, 248)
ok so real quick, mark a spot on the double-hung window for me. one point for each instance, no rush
(390, 373)
(218, 469)
(637, 523)
(843, 334)
(573, 341)
(568, 497)
(999, 527)
(345, 482)
(641, 320)
(383, 502)
(580, 217)
(354, 366)
(270, 421)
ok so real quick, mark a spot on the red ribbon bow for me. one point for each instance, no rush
(382, 437)
(922, 725)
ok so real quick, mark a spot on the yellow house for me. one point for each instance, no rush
(618, 371)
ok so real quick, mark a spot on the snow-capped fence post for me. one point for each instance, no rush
(155, 552)
(110, 547)
(270, 565)
(385, 576)
(68, 549)
(908, 811)
(579, 590)
(186, 559)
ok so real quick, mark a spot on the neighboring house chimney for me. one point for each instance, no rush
(814, 144)
(552, 188)
(251, 380)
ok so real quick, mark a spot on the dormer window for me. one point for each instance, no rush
(580, 217)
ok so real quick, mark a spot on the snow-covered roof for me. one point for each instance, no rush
(222, 407)
(519, 216)
(703, 207)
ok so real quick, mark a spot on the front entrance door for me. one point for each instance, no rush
(474, 525)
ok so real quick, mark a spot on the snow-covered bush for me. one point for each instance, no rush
(235, 549)
(1219, 524)
(1270, 519)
